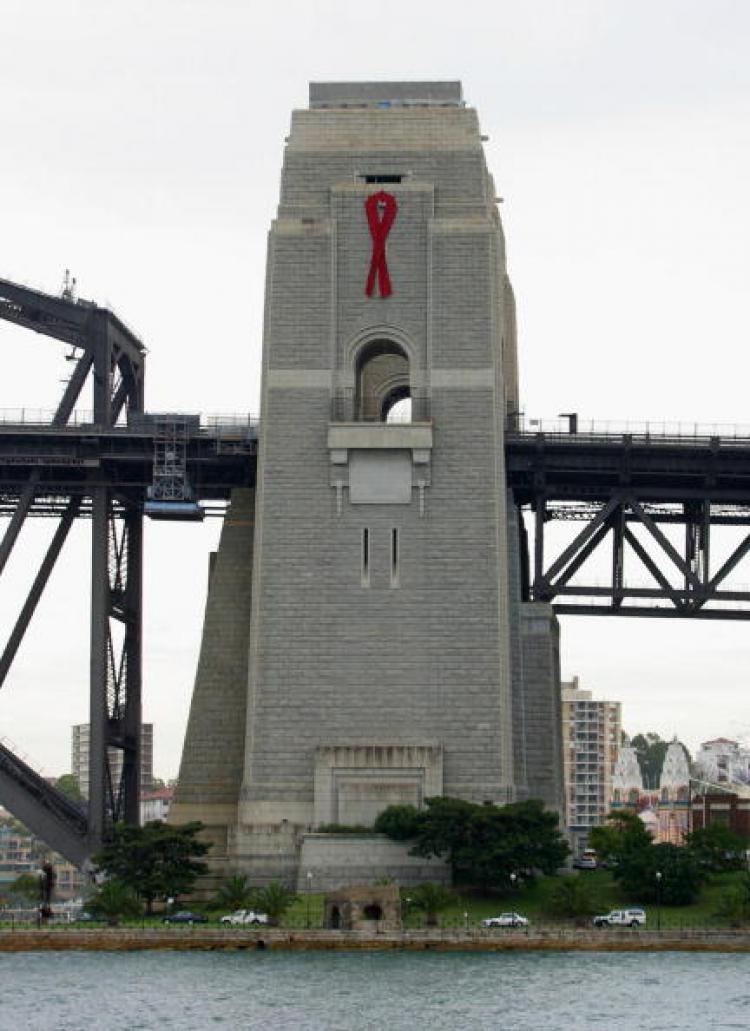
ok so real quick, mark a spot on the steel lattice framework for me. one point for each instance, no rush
(103, 469)
(627, 492)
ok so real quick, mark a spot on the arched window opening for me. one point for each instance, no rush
(382, 381)
(397, 407)
(335, 918)
(373, 912)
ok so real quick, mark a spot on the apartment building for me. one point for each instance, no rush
(591, 731)
(79, 757)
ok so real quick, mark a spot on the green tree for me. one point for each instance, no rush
(717, 848)
(236, 893)
(28, 887)
(485, 844)
(114, 901)
(68, 785)
(16, 827)
(431, 898)
(650, 749)
(157, 861)
(680, 881)
(274, 900)
(573, 897)
(399, 822)
(734, 904)
(623, 832)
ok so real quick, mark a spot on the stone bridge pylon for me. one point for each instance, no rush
(365, 642)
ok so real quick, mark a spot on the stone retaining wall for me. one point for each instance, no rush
(342, 860)
(129, 939)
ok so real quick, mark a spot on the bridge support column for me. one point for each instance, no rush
(115, 670)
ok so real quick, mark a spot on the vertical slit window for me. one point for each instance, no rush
(394, 557)
(365, 571)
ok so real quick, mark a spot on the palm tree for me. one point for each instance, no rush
(274, 900)
(114, 901)
(236, 893)
(431, 898)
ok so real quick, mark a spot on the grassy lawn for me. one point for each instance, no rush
(529, 900)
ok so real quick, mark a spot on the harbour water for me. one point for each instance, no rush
(364, 991)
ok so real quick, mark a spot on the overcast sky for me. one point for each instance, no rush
(141, 145)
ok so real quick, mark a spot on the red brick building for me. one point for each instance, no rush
(725, 808)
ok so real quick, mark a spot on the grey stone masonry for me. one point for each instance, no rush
(388, 655)
(540, 685)
(213, 755)
(329, 861)
(346, 650)
(341, 94)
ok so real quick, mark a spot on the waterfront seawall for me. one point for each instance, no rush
(131, 939)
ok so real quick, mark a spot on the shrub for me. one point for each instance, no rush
(113, 902)
(574, 897)
(342, 828)
(431, 898)
(734, 904)
(274, 900)
(399, 822)
(236, 893)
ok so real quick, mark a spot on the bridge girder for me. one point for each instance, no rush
(112, 360)
(627, 491)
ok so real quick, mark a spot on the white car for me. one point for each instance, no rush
(244, 916)
(506, 920)
(621, 918)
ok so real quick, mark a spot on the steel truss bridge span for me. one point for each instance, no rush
(627, 492)
(648, 506)
(109, 466)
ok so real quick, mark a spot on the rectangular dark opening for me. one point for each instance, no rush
(383, 178)
(365, 557)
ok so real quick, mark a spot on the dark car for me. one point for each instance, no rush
(184, 916)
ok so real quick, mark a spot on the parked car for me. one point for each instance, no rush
(621, 918)
(585, 863)
(244, 916)
(185, 916)
(506, 920)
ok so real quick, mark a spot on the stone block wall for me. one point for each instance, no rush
(339, 860)
(213, 754)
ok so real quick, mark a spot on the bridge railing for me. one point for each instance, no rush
(567, 426)
(220, 426)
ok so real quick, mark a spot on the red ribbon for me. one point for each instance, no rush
(381, 208)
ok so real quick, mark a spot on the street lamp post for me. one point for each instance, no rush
(513, 879)
(658, 900)
(309, 889)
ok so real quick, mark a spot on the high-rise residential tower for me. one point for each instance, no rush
(591, 732)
